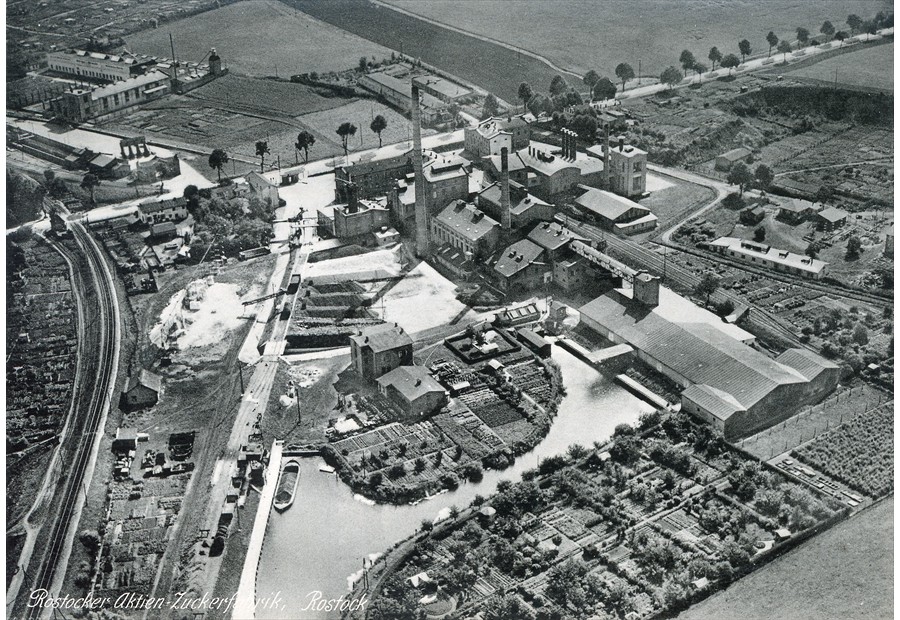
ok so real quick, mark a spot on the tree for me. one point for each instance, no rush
(89, 182)
(305, 141)
(491, 107)
(687, 60)
(363, 64)
(585, 126)
(590, 80)
(759, 235)
(707, 286)
(558, 85)
(784, 48)
(827, 29)
(869, 27)
(764, 176)
(426, 525)
(700, 69)
(379, 124)
(262, 149)
(740, 175)
(772, 40)
(855, 22)
(525, 94)
(730, 62)
(824, 194)
(714, 56)
(624, 72)
(745, 49)
(860, 334)
(854, 245)
(345, 130)
(840, 35)
(812, 250)
(217, 160)
(671, 76)
(604, 89)
(507, 607)
(802, 37)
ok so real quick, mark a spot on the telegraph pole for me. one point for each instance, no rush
(297, 400)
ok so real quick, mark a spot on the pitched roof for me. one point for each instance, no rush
(805, 362)
(383, 337)
(606, 204)
(161, 205)
(833, 215)
(520, 200)
(698, 352)
(466, 220)
(517, 257)
(551, 235)
(736, 154)
(146, 379)
(718, 403)
(412, 382)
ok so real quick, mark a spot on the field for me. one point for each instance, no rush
(870, 68)
(654, 32)
(260, 38)
(846, 572)
(275, 97)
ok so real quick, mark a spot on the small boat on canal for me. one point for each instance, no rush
(287, 486)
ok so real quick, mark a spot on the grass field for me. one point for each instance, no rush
(287, 98)
(261, 38)
(584, 34)
(845, 573)
(871, 68)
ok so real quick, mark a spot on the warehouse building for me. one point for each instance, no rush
(97, 65)
(616, 213)
(731, 385)
(771, 258)
(82, 104)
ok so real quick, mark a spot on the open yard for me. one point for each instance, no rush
(654, 32)
(870, 68)
(847, 572)
(260, 38)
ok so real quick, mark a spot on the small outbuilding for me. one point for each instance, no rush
(726, 160)
(533, 341)
(142, 390)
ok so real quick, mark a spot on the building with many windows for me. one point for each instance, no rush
(82, 104)
(466, 227)
(492, 134)
(98, 66)
(771, 258)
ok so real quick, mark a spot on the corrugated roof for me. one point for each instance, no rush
(805, 362)
(698, 352)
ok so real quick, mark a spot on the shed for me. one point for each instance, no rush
(782, 533)
(726, 160)
(142, 390)
(534, 342)
(125, 441)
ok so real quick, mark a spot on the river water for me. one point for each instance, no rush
(319, 543)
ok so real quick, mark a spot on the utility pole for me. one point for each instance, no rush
(297, 400)
(639, 72)
(241, 374)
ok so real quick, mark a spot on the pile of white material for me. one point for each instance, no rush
(216, 314)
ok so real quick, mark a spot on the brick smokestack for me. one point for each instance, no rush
(422, 245)
(505, 214)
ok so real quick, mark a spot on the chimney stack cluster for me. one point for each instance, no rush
(505, 214)
(422, 245)
(569, 144)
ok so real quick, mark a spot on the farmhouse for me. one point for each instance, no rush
(726, 160)
(734, 387)
(831, 218)
(379, 349)
(616, 213)
(142, 390)
(413, 389)
(769, 257)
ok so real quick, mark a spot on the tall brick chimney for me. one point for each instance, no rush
(422, 244)
(606, 159)
(505, 214)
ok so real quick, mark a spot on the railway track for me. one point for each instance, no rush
(63, 526)
(634, 253)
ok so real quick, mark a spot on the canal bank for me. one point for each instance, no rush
(315, 550)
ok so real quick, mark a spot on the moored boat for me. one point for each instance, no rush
(287, 486)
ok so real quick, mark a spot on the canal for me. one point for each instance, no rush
(319, 544)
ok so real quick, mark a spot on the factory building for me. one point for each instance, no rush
(615, 213)
(495, 133)
(731, 385)
(81, 104)
(766, 256)
(97, 65)
(379, 349)
(465, 227)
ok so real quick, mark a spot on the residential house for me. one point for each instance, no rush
(413, 390)
(378, 349)
(156, 211)
(831, 218)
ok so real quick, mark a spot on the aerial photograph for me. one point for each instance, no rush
(449, 309)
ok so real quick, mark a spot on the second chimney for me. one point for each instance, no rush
(621, 144)
(505, 215)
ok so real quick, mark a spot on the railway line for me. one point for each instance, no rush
(62, 529)
(634, 253)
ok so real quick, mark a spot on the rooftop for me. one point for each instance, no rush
(519, 198)
(146, 379)
(442, 167)
(517, 257)
(797, 205)
(781, 257)
(606, 204)
(466, 220)
(445, 87)
(153, 206)
(542, 160)
(383, 337)
(115, 88)
(412, 382)
(736, 154)
(833, 215)
(404, 88)
(551, 236)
